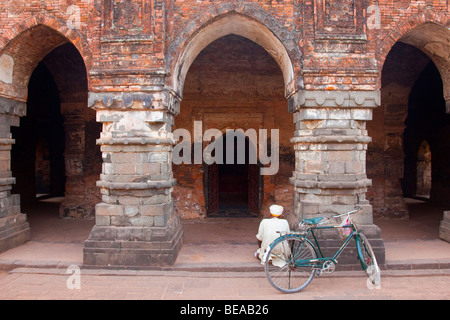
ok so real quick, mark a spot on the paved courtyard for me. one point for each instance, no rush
(100, 284)
(216, 262)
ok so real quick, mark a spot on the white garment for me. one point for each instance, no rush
(267, 233)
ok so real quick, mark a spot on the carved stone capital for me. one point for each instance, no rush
(12, 107)
(157, 101)
(334, 99)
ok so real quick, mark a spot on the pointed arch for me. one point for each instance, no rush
(28, 42)
(193, 41)
(427, 32)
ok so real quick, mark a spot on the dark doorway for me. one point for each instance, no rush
(37, 156)
(426, 140)
(233, 189)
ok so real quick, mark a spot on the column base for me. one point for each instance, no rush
(113, 247)
(14, 231)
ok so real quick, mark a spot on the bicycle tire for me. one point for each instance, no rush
(280, 267)
(368, 260)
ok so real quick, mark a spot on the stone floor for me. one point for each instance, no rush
(218, 241)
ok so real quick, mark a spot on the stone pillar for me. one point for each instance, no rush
(135, 223)
(330, 146)
(73, 204)
(14, 228)
(444, 228)
(395, 158)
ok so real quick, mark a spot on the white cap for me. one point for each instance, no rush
(276, 210)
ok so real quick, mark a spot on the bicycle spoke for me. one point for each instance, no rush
(281, 265)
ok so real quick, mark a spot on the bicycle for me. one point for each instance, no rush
(292, 260)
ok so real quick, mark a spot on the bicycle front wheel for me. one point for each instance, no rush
(288, 266)
(368, 260)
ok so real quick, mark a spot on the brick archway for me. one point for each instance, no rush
(402, 56)
(21, 45)
(245, 21)
(44, 41)
(427, 32)
(193, 41)
(234, 83)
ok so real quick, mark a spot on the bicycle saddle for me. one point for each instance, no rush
(312, 221)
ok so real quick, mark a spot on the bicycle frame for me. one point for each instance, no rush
(294, 258)
(318, 262)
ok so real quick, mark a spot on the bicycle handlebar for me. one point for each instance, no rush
(348, 213)
(325, 220)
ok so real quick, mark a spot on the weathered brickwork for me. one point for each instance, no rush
(334, 76)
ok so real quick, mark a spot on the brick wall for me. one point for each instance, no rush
(359, 34)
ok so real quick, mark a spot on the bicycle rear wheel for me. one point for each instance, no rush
(287, 266)
(368, 260)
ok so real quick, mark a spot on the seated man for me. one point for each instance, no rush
(268, 228)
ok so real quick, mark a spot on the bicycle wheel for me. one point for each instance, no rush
(287, 266)
(368, 260)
